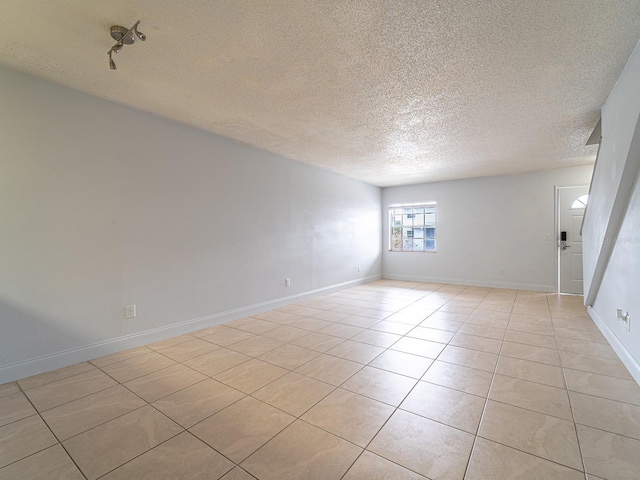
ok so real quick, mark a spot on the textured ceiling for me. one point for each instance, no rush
(389, 92)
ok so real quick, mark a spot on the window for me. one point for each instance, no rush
(580, 202)
(412, 227)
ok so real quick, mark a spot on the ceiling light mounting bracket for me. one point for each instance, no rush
(123, 36)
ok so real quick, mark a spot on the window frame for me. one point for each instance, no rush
(424, 225)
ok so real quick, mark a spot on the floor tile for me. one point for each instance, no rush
(458, 377)
(532, 396)
(377, 338)
(164, 382)
(289, 356)
(250, 376)
(341, 331)
(120, 356)
(186, 350)
(350, 416)
(358, 321)
(431, 334)
(9, 389)
(484, 344)
(321, 320)
(415, 346)
(242, 428)
(256, 346)
(609, 415)
(443, 453)
(137, 366)
(530, 339)
(370, 466)
(483, 331)
(217, 361)
(516, 317)
(277, 316)
(531, 352)
(613, 388)
(23, 438)
(329, 369)
(48, 464)
(451, 407)
(294, 393)
(491, 460)
(586, 348)
(356, 351)
(14, 407)
(238, 474)
(170, 342)
(227, 336)
(318, 342)
(542, 435)
(392, 327)
(608, 455)
(302, 451)
(286, 333)
(87, 412)
(541, 329)
(106, 447)
(469, 358)
(197, 402)
(59, 374)
(68, 389)
(584, 335)
(253, 325)
(380, 385)
(183, 456)
(531, 371)
(403, 363)
(588, 363)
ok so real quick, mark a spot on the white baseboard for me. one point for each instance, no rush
(83, 353)
(473, 283)
(625, 356)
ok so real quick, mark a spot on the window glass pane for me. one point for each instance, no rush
(430, 218)
(407, 219)
(429, 232)
(397, 220)
(430, 244)
(418, 210)
(430, 210)
(397, 211)
(419, 219)
(418, 245)
(407, 245)
(407, 232)
(418, 233)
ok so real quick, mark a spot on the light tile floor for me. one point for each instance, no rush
(389, 380)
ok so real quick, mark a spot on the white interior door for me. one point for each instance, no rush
(571, 205)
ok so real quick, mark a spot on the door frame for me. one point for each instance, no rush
(556, 190)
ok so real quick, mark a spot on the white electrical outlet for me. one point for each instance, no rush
(501, 271)
(130, 311)
(287, 282)
(624, 317)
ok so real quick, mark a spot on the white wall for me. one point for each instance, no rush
(485, 224)
(103, 206)
(611, 231)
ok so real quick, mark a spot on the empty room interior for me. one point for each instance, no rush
(355, 240)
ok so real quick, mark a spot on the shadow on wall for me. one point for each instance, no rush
(23, 330)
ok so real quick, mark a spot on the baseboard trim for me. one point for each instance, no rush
(473, 283)
(83, 353)
(625, 356)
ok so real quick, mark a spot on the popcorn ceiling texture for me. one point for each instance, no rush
(387, 92)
